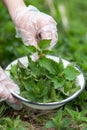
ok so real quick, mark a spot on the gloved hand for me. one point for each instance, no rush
(33, 25)
(6, 85)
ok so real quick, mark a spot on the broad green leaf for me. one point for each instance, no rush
(68, 88)
(50, 124)
(47, 52)
(60, 67)
(58, 82)
(84, 119)
(74, 114)
(42, 88)
(66, 122)
(28, 84)
(44, 44)
(49, 65)
(30, 49)
(13, 72)
(35, 68)
(70, 72)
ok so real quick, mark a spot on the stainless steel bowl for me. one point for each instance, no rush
(45, 106)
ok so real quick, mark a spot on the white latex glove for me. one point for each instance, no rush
(6, 85)
(33, 25)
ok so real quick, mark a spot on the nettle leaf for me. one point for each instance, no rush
(46, 52)
(44, 44)
(42, 88)
(74, 114)
(60, 66)
(53, 95)
(13, 71)
(70, 72)
(68, 88)
(30, 49)
(35, 68)
(50, 124)
(28, 84)
(49, 65)
(21, 72)
(58, 82)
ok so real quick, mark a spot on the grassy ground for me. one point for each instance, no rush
(72, 45)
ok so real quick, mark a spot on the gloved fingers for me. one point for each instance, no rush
(46, 19)
(7, 82)
(5, 95)
(28, 37)
(46, 28)
(6, 85)
(2, 74)
(2, 93)
(10, 85)
(33, 25)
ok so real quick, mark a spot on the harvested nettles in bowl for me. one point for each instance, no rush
(45, 80)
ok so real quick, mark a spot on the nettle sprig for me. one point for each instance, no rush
(44, 80)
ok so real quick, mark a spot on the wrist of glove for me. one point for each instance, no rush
(33, 25)
(6, 86)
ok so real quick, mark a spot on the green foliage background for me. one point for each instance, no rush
(72, 43)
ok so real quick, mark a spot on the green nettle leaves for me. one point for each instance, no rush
(44, 80)
(49, 65)
(44, 44)
(58, 82)
(74, 73)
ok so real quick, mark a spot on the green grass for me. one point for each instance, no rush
(72, 45)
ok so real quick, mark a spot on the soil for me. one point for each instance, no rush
(37, 118)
